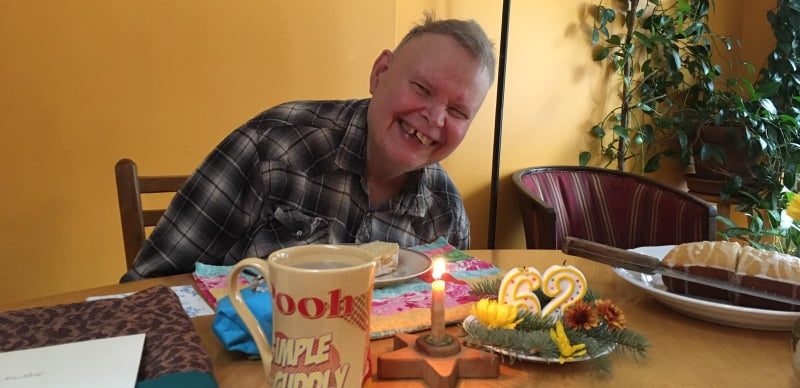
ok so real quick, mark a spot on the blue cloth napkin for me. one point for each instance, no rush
(230, 329)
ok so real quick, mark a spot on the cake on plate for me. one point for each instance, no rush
(386, 256)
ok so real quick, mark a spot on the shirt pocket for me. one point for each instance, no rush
(293, 225)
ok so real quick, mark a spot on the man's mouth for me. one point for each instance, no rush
(421, 137)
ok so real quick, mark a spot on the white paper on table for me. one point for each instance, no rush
(101, 363)
(192, 302)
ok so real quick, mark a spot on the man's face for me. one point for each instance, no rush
(424, 96)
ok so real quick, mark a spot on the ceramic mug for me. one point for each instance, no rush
(321, 305)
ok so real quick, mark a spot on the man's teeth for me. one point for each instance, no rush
(424, 140)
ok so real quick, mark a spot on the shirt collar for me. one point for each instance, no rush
(415, 199)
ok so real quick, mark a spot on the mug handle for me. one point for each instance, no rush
(235, 295)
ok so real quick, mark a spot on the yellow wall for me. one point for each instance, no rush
(87, 82)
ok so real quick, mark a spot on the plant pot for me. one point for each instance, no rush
(709, 175)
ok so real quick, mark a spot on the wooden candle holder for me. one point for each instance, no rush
(439, 365)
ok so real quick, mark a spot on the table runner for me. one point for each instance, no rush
(398, 308)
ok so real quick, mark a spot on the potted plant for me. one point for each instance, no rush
(663, 58)
(773, 132)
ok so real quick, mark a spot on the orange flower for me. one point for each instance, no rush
(611, 313)
(581, 315)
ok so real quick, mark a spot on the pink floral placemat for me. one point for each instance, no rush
(398, 308)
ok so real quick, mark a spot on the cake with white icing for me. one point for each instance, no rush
(770, 271)
(386, 256)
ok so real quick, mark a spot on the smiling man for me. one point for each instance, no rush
(337, 171)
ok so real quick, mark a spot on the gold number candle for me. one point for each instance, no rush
(565, 284)
(518, 286)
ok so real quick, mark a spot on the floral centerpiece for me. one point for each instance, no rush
(575, 324)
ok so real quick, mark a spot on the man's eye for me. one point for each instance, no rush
(421, 90)
(457, 114)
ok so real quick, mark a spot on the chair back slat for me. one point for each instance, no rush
(151, 217)
(134, 219)
(610, 207)
(161, 184)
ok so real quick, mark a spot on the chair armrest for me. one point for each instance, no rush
(538, 218)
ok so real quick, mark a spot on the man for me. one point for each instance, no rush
(337, 171)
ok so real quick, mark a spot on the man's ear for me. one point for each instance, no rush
(378, 68)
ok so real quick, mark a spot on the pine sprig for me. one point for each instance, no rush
(486, 289)
(517, 341)
(533, 322)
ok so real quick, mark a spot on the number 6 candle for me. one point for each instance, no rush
(518, 286)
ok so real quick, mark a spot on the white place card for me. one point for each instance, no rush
(101, 363)
(192, 302)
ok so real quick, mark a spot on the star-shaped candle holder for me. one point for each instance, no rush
(440, 363)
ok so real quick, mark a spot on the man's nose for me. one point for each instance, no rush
(436, 113)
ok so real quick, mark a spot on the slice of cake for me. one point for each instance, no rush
(386, 256)
(773, 272)
(711, 259)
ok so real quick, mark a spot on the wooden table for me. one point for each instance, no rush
(684, 352)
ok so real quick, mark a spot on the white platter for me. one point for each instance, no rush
(706, 309)
(531, 357)
(410, 264)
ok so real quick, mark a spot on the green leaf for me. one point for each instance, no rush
(601, 54)
(597, 131)
(683, 140)
(621, 131)
(709, 151)
(653, 164)
(768, 89)
(768, 106)
(614, 39)
(583, 158)
(638, 139)
(683, 6)
(595, 36)
(674, 60)
(643, 39)
(609, 14)
(725, 220)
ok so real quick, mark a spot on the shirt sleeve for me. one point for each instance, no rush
(460, 235)
(218, 206)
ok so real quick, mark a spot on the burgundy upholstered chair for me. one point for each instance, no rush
(607, 206)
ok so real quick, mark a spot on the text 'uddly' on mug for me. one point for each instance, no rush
(321, 305)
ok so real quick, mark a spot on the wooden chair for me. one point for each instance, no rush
(130, 187)
(615, 208)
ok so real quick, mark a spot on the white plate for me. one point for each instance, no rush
(531, 357)
(706, 309)
(410, 264)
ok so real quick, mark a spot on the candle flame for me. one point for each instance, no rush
(438, 268)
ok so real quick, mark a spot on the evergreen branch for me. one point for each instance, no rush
(516, 341)
(534, 322)
(486, 289)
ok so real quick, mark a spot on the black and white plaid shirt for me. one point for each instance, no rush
(295, 175)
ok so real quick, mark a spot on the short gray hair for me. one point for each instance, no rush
(468, 34)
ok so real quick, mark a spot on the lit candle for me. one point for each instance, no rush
(437, 301)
